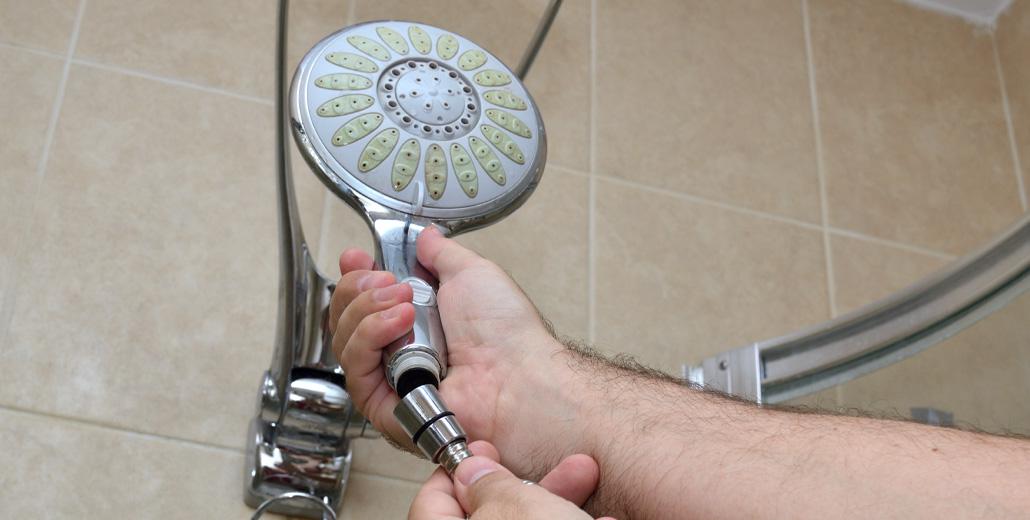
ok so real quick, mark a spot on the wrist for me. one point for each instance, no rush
(541, 411)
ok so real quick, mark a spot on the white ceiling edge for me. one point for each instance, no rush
(978, 12)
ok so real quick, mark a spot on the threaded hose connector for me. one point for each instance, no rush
(432, 427)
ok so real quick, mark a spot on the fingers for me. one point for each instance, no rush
(485, 449)
(353, 259)
(435, 501)
(573, 479)
(486, 489)
(362, 355)
(350, 286)
(356, 275)
(379, 294)
(442, 256)
(479, 480)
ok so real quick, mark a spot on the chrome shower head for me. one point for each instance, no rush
(414, 126)
(405, 118)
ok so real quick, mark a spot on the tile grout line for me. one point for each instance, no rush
(62, 85)
(709, 202)
(10, 291)
(775, 218)
(33, 50)
(1008, 122)
(1002, 7)
(171, 81)
(352, 9)
(942, 8)
(592, 186)
(192, 443)
(820, 167)
(886, 242)
(118, 429)
(763, 215)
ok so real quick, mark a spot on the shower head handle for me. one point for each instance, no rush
(424, 347)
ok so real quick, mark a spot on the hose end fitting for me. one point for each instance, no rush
(432, 427)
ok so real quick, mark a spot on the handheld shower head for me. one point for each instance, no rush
(414, 126)
(408, 119)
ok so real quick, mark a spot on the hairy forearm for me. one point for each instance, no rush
(669, 451)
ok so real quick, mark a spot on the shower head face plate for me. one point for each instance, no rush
(419, 120)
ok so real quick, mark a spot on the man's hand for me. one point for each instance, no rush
(498, 346)
(486, 490)
(664, 450)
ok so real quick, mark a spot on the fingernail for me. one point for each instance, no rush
(474, 468)
(388, 293)
(391, 313)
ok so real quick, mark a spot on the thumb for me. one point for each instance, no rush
(479, 480)
(443, 257)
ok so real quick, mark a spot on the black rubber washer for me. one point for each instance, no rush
(413, 379)
(425, 426)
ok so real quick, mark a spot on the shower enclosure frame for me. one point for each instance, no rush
(879, 334)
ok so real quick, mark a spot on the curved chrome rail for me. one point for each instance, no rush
(879, 334)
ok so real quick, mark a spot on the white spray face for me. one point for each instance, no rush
(418, 119)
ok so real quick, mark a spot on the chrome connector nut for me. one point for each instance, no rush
(432, 427)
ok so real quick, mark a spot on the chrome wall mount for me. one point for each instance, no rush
(299, 440)
(299, 443)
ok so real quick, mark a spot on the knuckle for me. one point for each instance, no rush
(357, 308)
(368, 328)
(496, 487)
(348, 284)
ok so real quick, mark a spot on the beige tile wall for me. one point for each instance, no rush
(914, 138)
(719, 172)
(708, 98)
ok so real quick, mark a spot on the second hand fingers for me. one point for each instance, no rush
(574, 478)
(435, 501)
(485, 449)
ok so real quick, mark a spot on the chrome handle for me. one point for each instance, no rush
(423, 351)
(420, 356)
(416, 363)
